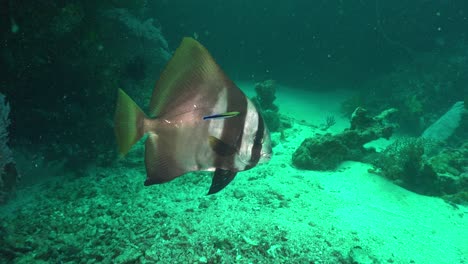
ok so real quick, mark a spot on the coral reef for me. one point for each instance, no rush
(65, 62)
(403, 163)
(406, 163)
(429, 165)
(451, 166)
(326, 152)
(422, 89)
(142, 29)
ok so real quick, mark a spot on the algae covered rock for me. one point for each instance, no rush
(326, 152)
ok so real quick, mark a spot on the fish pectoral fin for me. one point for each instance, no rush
(221, 179)
(221, 116)
(220, 147)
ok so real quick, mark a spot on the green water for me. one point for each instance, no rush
(366, 113)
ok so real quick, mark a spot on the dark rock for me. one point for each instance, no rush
(8, 180)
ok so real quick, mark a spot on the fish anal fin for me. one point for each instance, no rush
(160, 165)
(220, 147)
(221, 179)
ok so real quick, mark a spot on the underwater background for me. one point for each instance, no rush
(365, 100)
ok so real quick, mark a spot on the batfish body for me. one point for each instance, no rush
(198, 120)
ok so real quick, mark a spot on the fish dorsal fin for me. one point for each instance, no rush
(192, 79)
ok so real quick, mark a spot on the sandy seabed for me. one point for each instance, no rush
(273, 213)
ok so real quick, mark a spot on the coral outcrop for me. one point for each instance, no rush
(326, 152)
(264, 100)
(407, 163)
(429, 165)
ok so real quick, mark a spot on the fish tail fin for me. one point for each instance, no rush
(128, 122)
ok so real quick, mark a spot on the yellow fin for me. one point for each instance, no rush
(127, 122)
